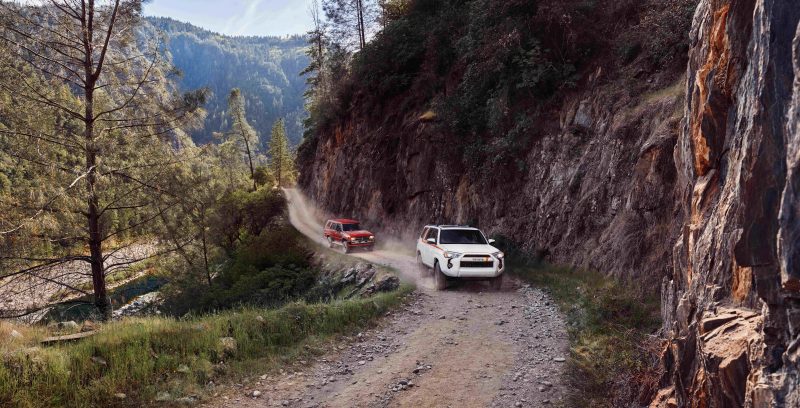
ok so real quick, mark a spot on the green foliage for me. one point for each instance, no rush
(281, 157)
(141, 357)
(479, 64)
(661, 33)
(255, 258)
(263, 176)
(242, 134)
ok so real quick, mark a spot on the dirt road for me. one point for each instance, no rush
(467, 346)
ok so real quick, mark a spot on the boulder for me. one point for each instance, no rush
(386, 283)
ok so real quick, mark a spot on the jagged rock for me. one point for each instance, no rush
(120, 396)
(183, 369)
(737, 161)
(386, 283)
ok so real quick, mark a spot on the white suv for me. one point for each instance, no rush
(463, 252)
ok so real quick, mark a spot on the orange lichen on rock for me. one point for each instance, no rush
(716, 61)
(742, 282)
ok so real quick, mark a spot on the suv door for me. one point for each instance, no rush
(428, 254)
(421, 246)
(326, 231)
(337, 232)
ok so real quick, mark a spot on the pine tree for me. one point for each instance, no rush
(280, 155)
(97, 115)
(243, 134)
(352, 21)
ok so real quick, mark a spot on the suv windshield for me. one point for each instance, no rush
(351, 227)
(461, 236)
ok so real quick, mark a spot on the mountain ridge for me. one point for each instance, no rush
(266, 69)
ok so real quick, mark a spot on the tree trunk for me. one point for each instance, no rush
(280, 168)
(361, 30)
(205, 247)
(101, 299)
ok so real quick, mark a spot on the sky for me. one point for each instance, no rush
(237, 17)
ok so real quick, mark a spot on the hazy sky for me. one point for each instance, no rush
(237, 17)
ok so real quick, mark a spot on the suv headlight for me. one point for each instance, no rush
(371, 237)
(452, 255)
(352, 238)
(498, 255)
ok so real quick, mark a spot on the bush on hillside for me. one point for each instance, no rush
(263, 261)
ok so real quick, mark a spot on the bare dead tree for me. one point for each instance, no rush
(101, 116)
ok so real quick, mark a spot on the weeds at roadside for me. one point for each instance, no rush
(613, 358)
(142, 358)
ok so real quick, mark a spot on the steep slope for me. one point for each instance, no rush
(266, 69)
(732, 306)
(571, 156)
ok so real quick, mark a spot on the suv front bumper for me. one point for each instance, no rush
(454, 269)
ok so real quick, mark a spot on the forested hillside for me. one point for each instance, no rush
(266, 69)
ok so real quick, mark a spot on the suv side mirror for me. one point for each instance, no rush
(431, 241)
(491, 241)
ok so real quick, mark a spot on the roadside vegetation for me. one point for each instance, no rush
(613, 357)
(163, 361)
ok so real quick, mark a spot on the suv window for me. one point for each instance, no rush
(462, 236)
(337, 227)
(432, 233)
(424, 233)
(351, 227)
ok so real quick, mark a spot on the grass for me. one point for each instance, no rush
(613, 360)
(142, 357)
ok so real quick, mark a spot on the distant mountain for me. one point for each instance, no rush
(266, 69)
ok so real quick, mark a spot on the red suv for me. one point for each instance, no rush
(348, 234)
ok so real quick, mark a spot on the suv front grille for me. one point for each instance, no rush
(362, 240)
(473, 264)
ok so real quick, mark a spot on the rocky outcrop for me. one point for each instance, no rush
(594, 189)
(732, 306)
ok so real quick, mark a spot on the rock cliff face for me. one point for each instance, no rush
(595, 187)
(732, 306)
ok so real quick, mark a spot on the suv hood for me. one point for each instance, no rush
(358, 234)
(470, 249)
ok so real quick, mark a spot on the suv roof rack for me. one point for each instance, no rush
(455, 226)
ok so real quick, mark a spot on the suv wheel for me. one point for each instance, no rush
(345, 247)
(330, 242)
(439, 278)
(497, 282)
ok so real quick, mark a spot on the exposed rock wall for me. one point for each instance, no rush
(732, 306)
(595, 189)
